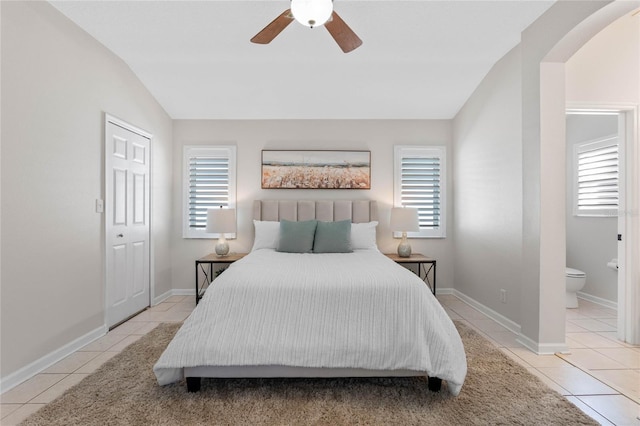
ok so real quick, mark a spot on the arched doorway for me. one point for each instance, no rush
(546, 48)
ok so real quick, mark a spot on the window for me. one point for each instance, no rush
(209, 181)
(420, 182)
(596, 177)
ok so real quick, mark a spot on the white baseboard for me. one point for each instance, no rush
(540, 349)
(544, 348)
(600, 301)
(183, 292)
(159, 299)
(39, 365)
(27, 372)
(497, 317)
(174, 292)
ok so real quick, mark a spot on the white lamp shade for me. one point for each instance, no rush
(404, 219)
(221, 221)
(312, 13)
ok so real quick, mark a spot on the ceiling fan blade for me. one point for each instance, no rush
(342, 34)
(276, 26)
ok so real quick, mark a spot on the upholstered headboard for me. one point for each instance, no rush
(358, 211)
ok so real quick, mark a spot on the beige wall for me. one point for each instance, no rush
(606, 70)
(539, 137)
(488, 190)
(251, 136)
(57, 84)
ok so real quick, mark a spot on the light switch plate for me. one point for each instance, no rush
(99, 206)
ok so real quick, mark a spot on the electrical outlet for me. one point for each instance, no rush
(503, 295)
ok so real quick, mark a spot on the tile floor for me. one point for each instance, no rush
(601, 375)
(26, 398)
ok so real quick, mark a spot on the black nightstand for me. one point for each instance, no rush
(208, 273)
(420, 260)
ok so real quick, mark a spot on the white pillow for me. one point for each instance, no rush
(363, 236)
(266, 235)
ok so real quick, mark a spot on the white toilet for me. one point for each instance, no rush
(575, 282)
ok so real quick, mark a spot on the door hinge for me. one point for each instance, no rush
(619, 237)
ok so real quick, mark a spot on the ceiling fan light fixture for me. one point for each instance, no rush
(312, 13)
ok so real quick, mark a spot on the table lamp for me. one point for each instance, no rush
(221, 221)
(404, 219)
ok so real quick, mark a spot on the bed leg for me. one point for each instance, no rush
(434, 384)
(193, 384)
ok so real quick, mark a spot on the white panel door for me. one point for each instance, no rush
(127, 222)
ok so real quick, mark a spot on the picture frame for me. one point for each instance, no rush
(316, 169)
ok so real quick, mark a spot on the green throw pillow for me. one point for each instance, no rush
(333, 237)
(296, 237)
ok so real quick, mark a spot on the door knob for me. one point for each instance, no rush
(119, 236)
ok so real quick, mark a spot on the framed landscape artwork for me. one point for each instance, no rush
(316, 169)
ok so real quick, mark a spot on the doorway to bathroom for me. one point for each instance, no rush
(598, 233)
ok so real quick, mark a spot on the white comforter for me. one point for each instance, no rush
(353, 310)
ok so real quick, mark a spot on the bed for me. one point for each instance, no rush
(283, 314)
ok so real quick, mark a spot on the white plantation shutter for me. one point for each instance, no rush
(209, 182)
(208, 187)
(420, 183)
(596, 178)
(420, 188)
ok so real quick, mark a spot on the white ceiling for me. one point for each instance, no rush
(419, 59)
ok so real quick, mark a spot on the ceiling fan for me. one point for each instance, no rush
(311, 13)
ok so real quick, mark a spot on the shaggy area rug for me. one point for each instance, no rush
(124, 391)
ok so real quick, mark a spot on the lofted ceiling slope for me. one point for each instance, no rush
(419, 59)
